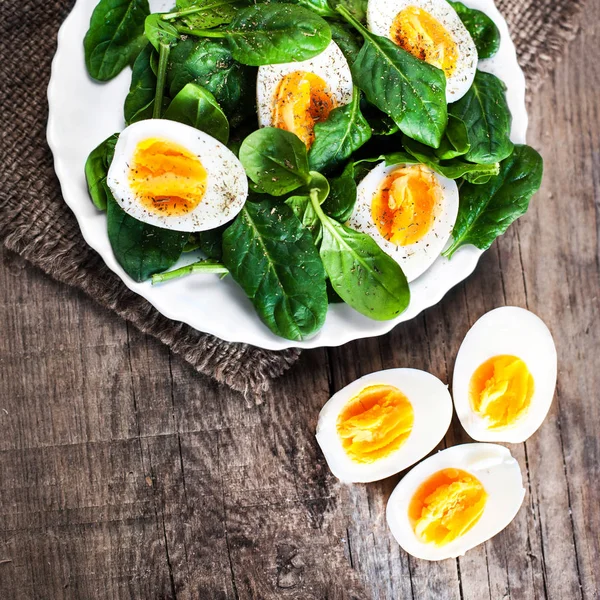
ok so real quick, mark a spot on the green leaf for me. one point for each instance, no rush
(275, 160)
(210, 242)
(321, 7)
(455, 141)
(486, 211)
(96, 169)
(273, 257)
(346, 39)
(265, 34)
(115, 36)
(452, 169)
(357, 8)
(204, 14)
(341, 134)
(209, 63)
(141, 249)
(361, 273)
(483, 30)
(342, 196)
(484, 111)
(409, 90)
(159, 31)
(380, 123)
(139, 102)
(304, 211)
(197, 107)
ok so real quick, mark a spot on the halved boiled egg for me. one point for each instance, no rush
(455, 500)
(409, 210)
(173, 176)
(432, 31)
(296, 96)
(505, 376)
(382, 423)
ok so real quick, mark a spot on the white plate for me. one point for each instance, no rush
(84, 112)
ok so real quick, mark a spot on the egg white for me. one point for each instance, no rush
(331, 66)
(226, 185)
(507, 331)
(381, 15)
(415, 258)
(498, 472)
(432, 408)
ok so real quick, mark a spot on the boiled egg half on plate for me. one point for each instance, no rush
(173, 176)
(383, 423)
(409, 210)
(296, 96)
(505, 376)
(431, 31)
(455, 500)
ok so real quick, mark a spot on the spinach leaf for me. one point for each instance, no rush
(455, 141)
(139, 102)
(409, 90)
(159, 31)
(342, 196)
(321, 7)
(452, 169)
(198, 108)
(483, 30)
(210, 242)
(361, 273)
(96, 169)
(341, 134)
(486, 211)
(265, 34)
(115, 36)
(357, 8)
(484, 111)
(346, 39)
(141, 249)
(275, 160)
(204, 14)
(209, 64)
(380, 123)
(304, 211)
(273, 257)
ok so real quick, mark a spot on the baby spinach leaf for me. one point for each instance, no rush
(484, 110)
(160, 31)
(409, 90)
(273, 257)
(452, 169)
(304, 211)
(455, 141)
(96, 169)
(321, 7)
(210, 242)
(265, 34)
(275, 160)
(139, 102)
(361, 273)
(486, 211)
(342, 196)
(483, 30)
(347, 40)
(341, 134)
(141, 249)
(205, 14)
(357, 8)
(115, 36)
(209, 64)
(197, 107)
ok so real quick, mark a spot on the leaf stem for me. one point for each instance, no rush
(209, 33)
(351, 19)
(163, 58)
(202, 266)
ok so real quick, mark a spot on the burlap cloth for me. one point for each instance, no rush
(37, 224)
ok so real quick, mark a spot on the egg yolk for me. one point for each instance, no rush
(405, 205)
(301, 101)
(417, 32)
(375, 423)
(500, 390)
(166, 178)
(446, 506)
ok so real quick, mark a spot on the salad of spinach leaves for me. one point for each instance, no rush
(290, 248)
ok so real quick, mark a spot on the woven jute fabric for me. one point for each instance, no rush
(36, 223)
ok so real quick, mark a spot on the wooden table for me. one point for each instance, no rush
(124, 474)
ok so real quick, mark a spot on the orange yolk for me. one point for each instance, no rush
(166, 178)
(405, 205)
(417, 32)
(446, 506)
(500, 390)
(301, 101)
(375, 423)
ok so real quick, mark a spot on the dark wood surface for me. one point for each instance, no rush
(124, 474)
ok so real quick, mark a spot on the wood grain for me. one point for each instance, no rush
(126, 475)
